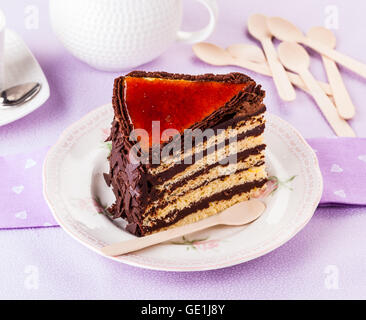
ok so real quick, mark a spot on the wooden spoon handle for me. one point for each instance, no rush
(350, 63)
(339, 125)
(262, 68)
(282, 82)
(124, 247)
(343, 101)
(297, 81)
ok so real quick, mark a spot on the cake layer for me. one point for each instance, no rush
(240, 129)
(214, 174)
(208, 207)
(247, 140)
(216, 185)
(246, 159)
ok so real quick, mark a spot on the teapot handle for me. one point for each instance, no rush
(201, 35)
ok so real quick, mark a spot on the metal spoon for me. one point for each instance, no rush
(17, 95)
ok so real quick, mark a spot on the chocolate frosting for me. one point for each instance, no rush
(131, 183)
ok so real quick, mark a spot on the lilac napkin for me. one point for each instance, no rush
(343, 165)
(21, 199)
(342, 162)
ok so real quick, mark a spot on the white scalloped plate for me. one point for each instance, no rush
(20, 67)
(74, 189)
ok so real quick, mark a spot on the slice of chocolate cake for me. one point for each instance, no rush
(209, 153)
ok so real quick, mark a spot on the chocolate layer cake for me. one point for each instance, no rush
(186, 184)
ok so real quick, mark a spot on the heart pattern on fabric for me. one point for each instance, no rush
(340, 193)
(21, 215)
(30, 163)
(336, 168)
(362, 157)
(21, 199)
(17, 189)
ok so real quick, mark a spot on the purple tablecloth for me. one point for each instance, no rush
(325, 260)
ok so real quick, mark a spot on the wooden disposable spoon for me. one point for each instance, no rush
(286, 31)
(253, 53)
(248, 52)
(342, 100)
(217, 56)
(295, 58)
(237, 215)
(257, 27)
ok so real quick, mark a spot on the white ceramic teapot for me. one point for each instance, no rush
(115, 35)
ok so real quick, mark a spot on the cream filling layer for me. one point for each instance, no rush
(214, 173)
(230, 132)
(213, 208)
(220, 155)
(215, 186)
